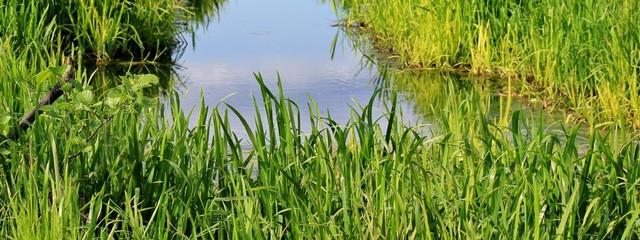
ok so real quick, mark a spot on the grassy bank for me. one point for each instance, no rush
(571, 54)
(100, 31)
(122, 167)
(100, 35)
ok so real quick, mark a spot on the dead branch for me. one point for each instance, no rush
(51, 97)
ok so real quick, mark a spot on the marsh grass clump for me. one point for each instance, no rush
(131, 36)
(99, 35)
(101, 31)
(576, 55)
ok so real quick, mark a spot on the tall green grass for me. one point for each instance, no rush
(118, 163)
(102, 31)
(121, 166)
(580, 55)
(128, 36)
(100, 35)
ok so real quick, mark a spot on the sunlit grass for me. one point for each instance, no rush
(569, 54)
(115, 163)
(148, 174)
(98, 34)
(100, 30)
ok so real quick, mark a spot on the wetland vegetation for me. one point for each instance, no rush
(111, 159)
(580, 56)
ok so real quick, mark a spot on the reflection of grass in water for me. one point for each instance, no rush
(108, 76)
(427, 91)
(431, 91)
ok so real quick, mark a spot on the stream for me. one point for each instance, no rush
(289, 38)
(296, 41)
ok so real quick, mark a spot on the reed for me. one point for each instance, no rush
(575, 55)
(100, 35)
(121, 166)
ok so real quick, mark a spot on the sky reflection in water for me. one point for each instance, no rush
(289, 37)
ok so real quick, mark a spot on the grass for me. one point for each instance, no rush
(576, 55)
(100, 35)
(130, 36)
(101, 30)
(116, 163)
(147, 174)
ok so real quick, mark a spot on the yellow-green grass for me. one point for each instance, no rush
(580, 55)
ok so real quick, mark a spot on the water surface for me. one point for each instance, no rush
(292, 38)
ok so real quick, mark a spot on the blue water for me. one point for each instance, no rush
(292, 38)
